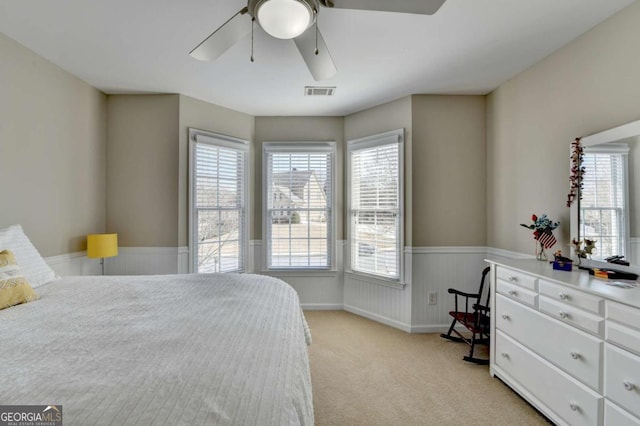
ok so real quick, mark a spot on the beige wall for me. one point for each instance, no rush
(142, 169)
(589, 85)
(383, 118)
(205, 116)
(52, 151)
(449, 170)
(283, 129)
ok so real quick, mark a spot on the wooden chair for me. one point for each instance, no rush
(475, 318)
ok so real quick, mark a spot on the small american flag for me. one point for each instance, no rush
(547, 239)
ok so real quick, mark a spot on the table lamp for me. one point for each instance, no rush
(101, 246)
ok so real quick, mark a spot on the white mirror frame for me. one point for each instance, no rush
(615, 134)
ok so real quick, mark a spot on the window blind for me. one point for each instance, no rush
(298, 199)
(218, 204)
(375, 206)
(602, 206)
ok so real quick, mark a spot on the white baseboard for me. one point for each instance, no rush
(321, 306)
(378, 318)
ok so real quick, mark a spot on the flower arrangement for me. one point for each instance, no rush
(582, 252)
(543, 233)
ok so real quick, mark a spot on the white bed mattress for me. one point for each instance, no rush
(181, 349)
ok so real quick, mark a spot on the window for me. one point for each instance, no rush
(218, 231)
(603, 209)
(375, 188)
(298, 203)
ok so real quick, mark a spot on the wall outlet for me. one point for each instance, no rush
(433, 298)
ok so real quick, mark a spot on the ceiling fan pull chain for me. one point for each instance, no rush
(253, 24)
(317, 17)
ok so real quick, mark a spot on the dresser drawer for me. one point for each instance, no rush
(572, 315)
(573, 297)
(515, 292)
(579, 354)
(568, 399)
(616, 416)
(518, 278)
(622, 378)
(623, 326)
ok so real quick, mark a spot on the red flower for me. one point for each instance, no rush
(534, 217)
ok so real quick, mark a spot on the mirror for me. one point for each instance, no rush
(607, 208)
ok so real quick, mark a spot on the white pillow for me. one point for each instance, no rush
(32, 265)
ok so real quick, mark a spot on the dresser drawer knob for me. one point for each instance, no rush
(629, 386)
(575, 355)
(573, 406)
(505, 355)
(512, 279)
(512, 293)
(563, 296)
(563, 314)
(505, 317)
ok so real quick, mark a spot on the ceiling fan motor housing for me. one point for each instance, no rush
(311, 5)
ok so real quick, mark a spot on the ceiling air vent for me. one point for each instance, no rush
(319, 91)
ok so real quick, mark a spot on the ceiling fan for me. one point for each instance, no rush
(294, 19)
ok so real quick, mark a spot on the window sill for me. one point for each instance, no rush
(398, 285)
(300, 273)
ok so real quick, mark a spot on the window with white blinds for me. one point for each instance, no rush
(218, 196)
(375, 204)
(298, 203)
(603, 210)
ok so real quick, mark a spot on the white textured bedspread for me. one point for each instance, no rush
(184, 349)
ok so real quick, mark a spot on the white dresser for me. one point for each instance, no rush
(567, 342)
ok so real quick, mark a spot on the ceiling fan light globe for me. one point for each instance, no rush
(284, 19)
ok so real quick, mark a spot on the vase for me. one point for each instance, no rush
(540, 254)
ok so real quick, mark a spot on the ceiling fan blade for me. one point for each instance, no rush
(223, 38)
(320, 65)
(422, 7)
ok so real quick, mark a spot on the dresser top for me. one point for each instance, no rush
(577, 278)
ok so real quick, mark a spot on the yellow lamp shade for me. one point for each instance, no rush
(102, 245)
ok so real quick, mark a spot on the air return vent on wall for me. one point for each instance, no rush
(319, 91)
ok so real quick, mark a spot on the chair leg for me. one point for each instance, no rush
(448, 336)
(470, 357)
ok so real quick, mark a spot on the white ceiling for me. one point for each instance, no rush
(139, 46)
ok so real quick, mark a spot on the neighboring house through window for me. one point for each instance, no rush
(218, 194)
(375, 202)
(298, 204)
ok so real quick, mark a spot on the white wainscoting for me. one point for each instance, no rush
(74, 264)
(436, 269)
(321, 290)
(148, 261)
(427, 269)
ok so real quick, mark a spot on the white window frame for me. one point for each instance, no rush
(621, 149)
(300, 147)
(223, 141)
(380, 139)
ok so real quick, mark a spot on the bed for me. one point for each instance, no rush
(227, 349)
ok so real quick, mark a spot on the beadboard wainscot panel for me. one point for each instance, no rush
(436, 269)
(635, 251)
(385, 302)
(317, 290)
(74, 264)
(148, 261)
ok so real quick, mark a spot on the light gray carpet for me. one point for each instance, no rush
(366, 373)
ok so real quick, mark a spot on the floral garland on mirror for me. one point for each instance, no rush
(577, 171)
